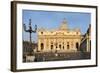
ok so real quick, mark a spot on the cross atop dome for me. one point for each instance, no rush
(63, 25)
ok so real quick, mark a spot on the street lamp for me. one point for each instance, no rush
(30, 31)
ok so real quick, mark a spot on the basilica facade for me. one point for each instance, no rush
(62, 39)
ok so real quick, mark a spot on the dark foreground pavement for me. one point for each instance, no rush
(51, 56)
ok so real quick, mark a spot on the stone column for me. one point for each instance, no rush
(70, 45)
(62, 44)
(57, 44)
(74, 45)
(65, 46)
(39, 47)
(49, 44)
(79, 44)
(87, 40)
(45, 45)
(54, 44)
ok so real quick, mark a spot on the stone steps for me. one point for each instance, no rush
(61, 56)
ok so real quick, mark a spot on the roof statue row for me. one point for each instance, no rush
(63, 29)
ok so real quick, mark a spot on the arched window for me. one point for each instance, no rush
(42, 46)
(77, 33)
(67, 46)
(56, 44)
(77, 46)
(63, 47)
(41, 32)
(51, 46)
(60, 46)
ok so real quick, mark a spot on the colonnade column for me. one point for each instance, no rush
(45, 45)
(39, 47)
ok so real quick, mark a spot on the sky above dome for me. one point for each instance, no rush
(52, 20)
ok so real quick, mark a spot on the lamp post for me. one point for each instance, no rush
(30, 31)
